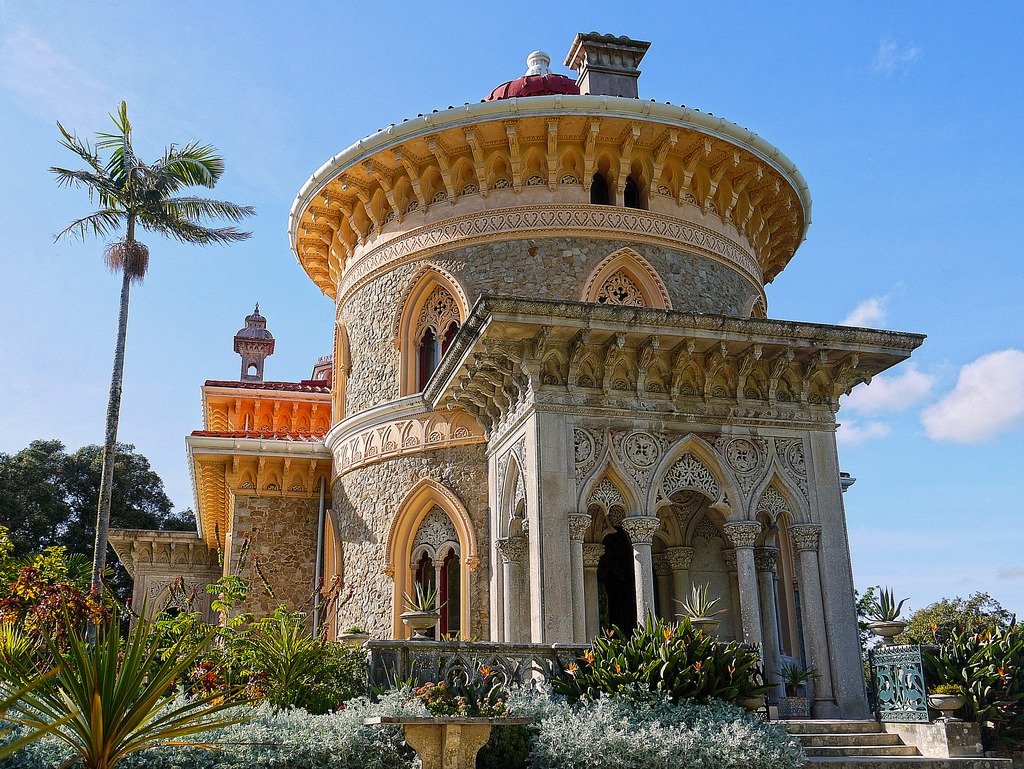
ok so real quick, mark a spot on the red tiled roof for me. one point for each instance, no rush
(534, 85)
(265, 434)
(305, 386)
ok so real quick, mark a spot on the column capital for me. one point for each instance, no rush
(729, 558)
(743, 534)
(805, 536)
(641, 528)
(578, 525)
(679, 558)
(592, 552)
(766, 559)
(661, 564)
(513, 549)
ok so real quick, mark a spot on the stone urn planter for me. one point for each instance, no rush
(418, 621)
(706, 625)
(794, 707)
(446, 742)
(947, 704)
(354, 637)
(752, 703)
(887, 630)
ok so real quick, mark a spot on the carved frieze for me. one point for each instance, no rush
(688, 472)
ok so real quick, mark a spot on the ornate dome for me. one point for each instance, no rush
(255, 327)
(538, 81)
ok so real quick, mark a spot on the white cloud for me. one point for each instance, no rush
(851, 433)
(892, 392)
(868, 314)
(988, 399)
(891, 57)
(46, 83)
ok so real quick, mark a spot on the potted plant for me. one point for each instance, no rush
(701, 610)
(884, 616)
(354, 636)
(422, 611)
(947, 699)
(795, 678)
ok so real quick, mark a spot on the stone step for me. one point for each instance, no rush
(859, 751)
(832, 727)
(848, 740)
(916, 762)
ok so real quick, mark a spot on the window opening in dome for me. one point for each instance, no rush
(631, 195)
(599, 191)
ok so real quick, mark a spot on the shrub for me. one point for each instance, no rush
(670, 658)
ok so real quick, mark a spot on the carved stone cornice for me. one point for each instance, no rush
(766, 559)
(805, 536)
(578, 524)
(641, 528)
(592, 553)
(742, 534)
(142, 550)
(679, 558)
(513, 549)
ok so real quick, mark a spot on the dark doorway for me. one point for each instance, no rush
(599, 190)
(616, 583)
(631, 195)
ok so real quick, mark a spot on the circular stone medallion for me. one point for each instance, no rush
(742, 455)
(641, 449)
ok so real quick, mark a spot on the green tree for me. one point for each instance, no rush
(132, 194)
(48, 497)
(934, 623)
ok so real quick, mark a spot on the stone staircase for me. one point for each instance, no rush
(866, 745)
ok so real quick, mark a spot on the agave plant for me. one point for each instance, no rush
(113, 697)
(885, 608)
(9, 696)
(425, 599)
(698, 605)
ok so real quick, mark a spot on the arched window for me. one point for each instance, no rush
(436, 564)
(599, 191)
(626, 278)
(427, 322)
(631, 195)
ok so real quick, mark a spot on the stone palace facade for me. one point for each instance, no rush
(555, 392)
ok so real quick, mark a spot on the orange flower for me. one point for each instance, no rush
(618, 668)
(573, 668)
(697, 666)
(485, 670)
(667, 633)
(588, 657)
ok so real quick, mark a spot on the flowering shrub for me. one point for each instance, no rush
(674, 659)
(47, 608)
(475, 699)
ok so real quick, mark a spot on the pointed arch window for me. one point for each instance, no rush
(599, 194)
(631, 195)
(425, 327)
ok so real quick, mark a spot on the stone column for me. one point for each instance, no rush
(513, 552)
(766, 560)
(743, 535)
(578, 525)
(729, 558)
(640, 529)
(679, 560)
(663, 575)
(592, 553)
(805, 540)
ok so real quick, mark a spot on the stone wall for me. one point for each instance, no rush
(366, 501)
(541, 268)
(282, 532)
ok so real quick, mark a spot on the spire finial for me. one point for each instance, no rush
(257, 308)
(538, 63)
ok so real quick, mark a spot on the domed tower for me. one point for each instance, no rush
(558, 396)
(254, 343)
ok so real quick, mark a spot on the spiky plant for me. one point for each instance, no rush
(135, 195)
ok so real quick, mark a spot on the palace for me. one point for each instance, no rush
(555, 391)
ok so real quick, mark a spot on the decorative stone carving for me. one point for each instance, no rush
(583, 446)
(513, 549)
(619, 288)
(743, 534)
(661, 565)
(706, 530)
(790, 452)
(729, 559)
(795, 458)
(766, 559)
(592, 553)
(805, 536)
(641, 528)
(606, 495)
(742, 455)
(438, 313)
(435, 531)
(641, 449)
(688, 472)
(679, 558)
(578, 525)
(772, 502)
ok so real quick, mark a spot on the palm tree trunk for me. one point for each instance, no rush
(99, 558)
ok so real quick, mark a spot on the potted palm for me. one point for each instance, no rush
(354, 636)
(947, 699)
(796, 703)
(884, 616)
(422, 611)
(701, 610)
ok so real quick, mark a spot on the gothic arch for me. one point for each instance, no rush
(610, 487)
(728, 498)
(428, 284)
(755, 307)
(512, 511)
(630, 274)
(421, 499)
(796, 505)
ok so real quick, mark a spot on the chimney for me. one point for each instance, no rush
(606, 64)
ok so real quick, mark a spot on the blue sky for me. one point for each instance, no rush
(904, 118)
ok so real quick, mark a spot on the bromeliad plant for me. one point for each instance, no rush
(698, 605)
(662, 657)
(480, 696)
(885, 608)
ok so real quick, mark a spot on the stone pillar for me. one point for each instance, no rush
(805, 540)
(640, 529)
(743, 535)
(578, 525)
(679, 560)
(513, 552)
(663, 575)
(592, 553)
(729, 558)
(766, 560)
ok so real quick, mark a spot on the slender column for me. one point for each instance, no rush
(640, 529)
(766, 560)
(743, 535)
(578, 525)
(663, 575)
(513, 552)
(592, 553)
(729, 557)
(679, 560)
(805, 539)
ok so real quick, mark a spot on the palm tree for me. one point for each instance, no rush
(132, 194)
